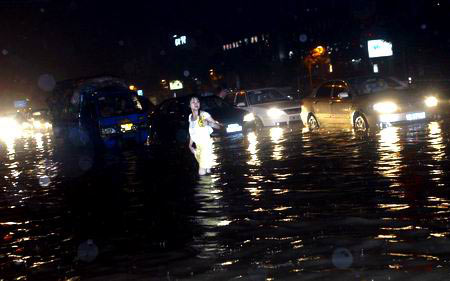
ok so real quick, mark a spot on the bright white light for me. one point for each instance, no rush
(9, 128)
(37, 124)
(385, 107)
(379, 48)
(180, 41)
(249, 117)
(275, 113)
(431, 101)
(276, 134)
(175, 85)
(375, 68)
(231, 128)
(330, 69)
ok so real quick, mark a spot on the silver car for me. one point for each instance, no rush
(268, 106)
(367, 102)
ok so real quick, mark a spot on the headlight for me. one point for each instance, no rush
(249, 117)
(37, 124)
(26, 125)
(385, 107)
(275, 112)
(108, 131)
(431, 101)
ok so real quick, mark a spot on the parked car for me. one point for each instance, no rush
(169, 121)
(270, 106)
(367, 102)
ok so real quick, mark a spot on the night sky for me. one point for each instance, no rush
(72, 38)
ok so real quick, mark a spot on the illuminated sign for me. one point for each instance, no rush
(20, 104)
(379, 48)
(180, 41)
(140, 92)
(175, 85)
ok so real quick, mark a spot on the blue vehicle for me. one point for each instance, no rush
(99, 111)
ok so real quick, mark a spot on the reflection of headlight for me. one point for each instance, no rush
(249, 117)
(431, 101)
(108, 131)
(275, 112)
(385, 107)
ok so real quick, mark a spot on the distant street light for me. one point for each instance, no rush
(317, 56)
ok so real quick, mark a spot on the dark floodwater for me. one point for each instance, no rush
(281, 205)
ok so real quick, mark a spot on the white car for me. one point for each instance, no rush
(268, 106)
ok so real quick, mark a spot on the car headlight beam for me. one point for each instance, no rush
(431, 101)
(275, 113)
(249, 117)
(385, 107)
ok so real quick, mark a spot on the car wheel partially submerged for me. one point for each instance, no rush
(312, 122)
(360, 124)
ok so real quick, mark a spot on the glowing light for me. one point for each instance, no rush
(385, 107)
(9, 129)
(275, 113)
(431, 101)
(132, 88)
(375, 68)
(318, 51)
(276, 134)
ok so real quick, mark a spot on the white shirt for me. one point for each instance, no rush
(199, 131)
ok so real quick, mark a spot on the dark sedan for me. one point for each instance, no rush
(367, 102)
(169, 122)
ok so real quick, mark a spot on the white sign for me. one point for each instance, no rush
(180, 41)
(175, 85)
(379, 48)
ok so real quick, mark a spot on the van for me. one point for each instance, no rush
(100, 111)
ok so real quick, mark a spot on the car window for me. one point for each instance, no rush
(240, 98)
(340, 87)
(116, 105)
(324, 91)
(265, 96)
(375, 84)
(213, 102)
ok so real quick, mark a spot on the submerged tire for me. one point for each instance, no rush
(312, 122)
(360, 124)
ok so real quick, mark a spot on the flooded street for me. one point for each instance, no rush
(279, 205)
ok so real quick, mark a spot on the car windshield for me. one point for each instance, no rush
(213, 102)
(265, 96)
(119, 104)
(375, 84)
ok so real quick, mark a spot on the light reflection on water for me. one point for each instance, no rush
(278, 204)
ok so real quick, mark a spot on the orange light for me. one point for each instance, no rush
(132, 87)
(318, 51)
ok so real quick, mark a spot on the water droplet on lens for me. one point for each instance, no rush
(46, 82)
(342, 258)
(44, 181)
(4, 52)
(85, 163)
(87, 251)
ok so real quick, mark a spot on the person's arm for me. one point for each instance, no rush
(213, 123)
(191, 148)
